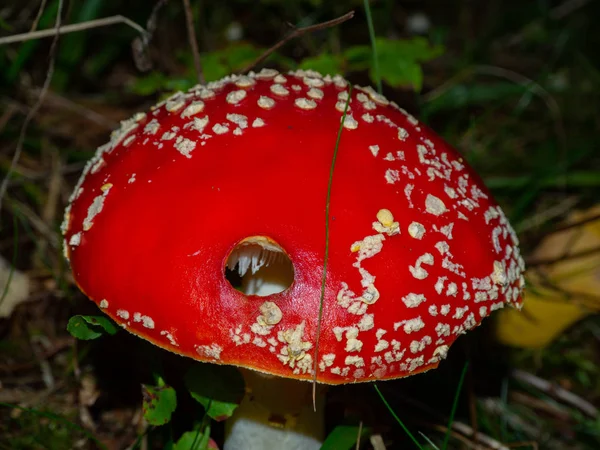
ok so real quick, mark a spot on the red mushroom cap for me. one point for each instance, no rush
(419, 252)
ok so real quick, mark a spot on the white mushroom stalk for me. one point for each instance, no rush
(276, 413)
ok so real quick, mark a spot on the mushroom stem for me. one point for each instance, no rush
(276, 413)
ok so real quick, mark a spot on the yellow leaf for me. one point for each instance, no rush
(563, 285)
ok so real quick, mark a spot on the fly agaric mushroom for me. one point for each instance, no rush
(232, 177)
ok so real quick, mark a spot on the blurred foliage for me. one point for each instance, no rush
(514, 85)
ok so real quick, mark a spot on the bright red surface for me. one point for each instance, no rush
(159, 245)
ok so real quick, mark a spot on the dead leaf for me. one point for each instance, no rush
(563, 286)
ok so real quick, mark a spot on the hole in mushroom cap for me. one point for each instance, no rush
(259, 266)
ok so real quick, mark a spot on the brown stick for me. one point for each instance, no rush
(296, 32)
(189, 18)
(112, 20)
(33, 111)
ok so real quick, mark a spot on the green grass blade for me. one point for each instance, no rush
(373, 45)
(455, 405)
(406, 430)
(326, 257)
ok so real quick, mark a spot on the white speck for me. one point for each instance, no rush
(419, 346)
(417, 271)
(169, 337)
(206, 94)
(366, 322)
(267, 74)
(315, 93)
(439, 285)
(452, 290)
(184, 146)
(350, 123)
(381, 345)
(174, 105)
(146, 321)
(220, 129)
(433, 310)
(103, 304)
(193, 108)
(265, 102)
(305, 103)
(442, 329)
(280, 79)
(211, 351)
(450, 192)
(442, 247)
(129, 140)
(376, 97)
(374, 149)
(168, 135)
(97, 165)
(131, 179)
(259, 342)
(483, 311)
(368, 118)
(339, 81)
(446, 230)
(413, 300)
(244, 81)
(279, 89)
(238, 119)
(392, 176)
(123, 314)
(411, 325)
(199, 124)
(75, 240)
(95, 209)
(499, 274)
(354, 361)
(234, 97)
(444, 310)
(353, 345)
(460, 312)
(434, 205)
(258, 122)
(313, 82)
(402, 134)
(416, 230)
(408, 192)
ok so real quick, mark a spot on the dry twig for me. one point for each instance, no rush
(105, 21)
(296, 32)
(36, 106)
(556, 392)
(189, 19)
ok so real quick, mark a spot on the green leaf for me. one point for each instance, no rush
(218, 388)
(195, 440)
(159, 403)
(399, 60)
(323, 63)
(90, 327)
(344, 437)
